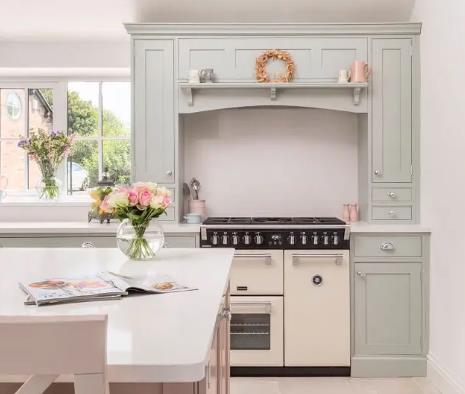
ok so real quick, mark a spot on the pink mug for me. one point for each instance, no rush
(359, 71)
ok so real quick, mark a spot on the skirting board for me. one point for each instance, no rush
(387, 367)
(441, 379)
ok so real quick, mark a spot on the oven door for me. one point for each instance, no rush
(256, 331)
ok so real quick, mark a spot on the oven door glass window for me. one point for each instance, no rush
(250, 331)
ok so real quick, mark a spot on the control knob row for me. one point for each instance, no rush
(247, 239)
(258, 239)
(315, 239)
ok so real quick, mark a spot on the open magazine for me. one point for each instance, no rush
(103, 286)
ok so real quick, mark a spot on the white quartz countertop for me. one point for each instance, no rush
(151, 338)
(82, 228)
(64, 228)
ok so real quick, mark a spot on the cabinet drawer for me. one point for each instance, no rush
(392, 213)
(178, 241)
(388, 246)
(257, 272)
(58, 242)
(391, 194)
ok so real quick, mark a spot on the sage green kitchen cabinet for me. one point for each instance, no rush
(388, 308)
(391, 95)
(153, 111)
(389, 313)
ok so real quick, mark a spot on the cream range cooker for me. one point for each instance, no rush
(290, 288)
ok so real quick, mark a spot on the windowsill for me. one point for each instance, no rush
(31, 200)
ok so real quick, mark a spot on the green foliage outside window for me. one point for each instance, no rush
(83, 121)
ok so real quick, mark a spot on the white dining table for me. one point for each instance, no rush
(151, 338)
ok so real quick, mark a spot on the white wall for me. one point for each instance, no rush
(72, 54)
(273, 161)
(443, 179)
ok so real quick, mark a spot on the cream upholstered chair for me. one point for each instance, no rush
(48, 346)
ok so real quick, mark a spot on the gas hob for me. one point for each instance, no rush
(275, 233)
(273, 221)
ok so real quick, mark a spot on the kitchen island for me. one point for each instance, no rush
(174, 343)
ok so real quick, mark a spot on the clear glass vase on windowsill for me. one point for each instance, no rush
(49, 189)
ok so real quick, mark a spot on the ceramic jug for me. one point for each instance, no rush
(359, 71)
(353, 212)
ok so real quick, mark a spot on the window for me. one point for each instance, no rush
(13, 105)
(97, 112)
(99, 116)
(22, 110)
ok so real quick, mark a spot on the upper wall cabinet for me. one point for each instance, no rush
(391, 110)
(153, 110)
(233, 59)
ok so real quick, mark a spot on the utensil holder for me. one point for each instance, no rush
(198, 206)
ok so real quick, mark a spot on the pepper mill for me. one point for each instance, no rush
(346, 213)
(353, 212)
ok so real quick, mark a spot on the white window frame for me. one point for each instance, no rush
(100, 138)
(59, 85)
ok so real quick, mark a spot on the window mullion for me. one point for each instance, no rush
(100, 131)
(26, 125)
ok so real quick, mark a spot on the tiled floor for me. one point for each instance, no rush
(331, 386)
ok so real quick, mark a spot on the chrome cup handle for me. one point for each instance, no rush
(387, 246)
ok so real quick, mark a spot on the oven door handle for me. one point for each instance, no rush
(338, 257)
(265, 256)
(265, 304)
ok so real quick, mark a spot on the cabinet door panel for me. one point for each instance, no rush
(388, 308)
(233, 59)
(392, 110)
(154, 140)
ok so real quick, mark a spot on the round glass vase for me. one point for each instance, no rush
(140, 242)
(49, 189)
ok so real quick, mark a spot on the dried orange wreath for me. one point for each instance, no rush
(274, 54)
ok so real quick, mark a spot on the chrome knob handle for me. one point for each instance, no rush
(392, 195)
(303, 239)
(361, 274)
(169, 172)
(291, 239)
(325, 239)
(387, 246)
(235, 239)
(392, 213)
(224, 238)
(315, 239)
(215, 238)
(87, 245)
(378, 173)
(246, 239)
(258, 239)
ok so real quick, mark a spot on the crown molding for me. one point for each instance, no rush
(271, 29)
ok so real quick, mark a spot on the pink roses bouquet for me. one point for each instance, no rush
(137, 204)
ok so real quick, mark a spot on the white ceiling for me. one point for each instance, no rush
(61, 20)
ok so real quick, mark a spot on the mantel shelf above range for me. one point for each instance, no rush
(189, 88)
